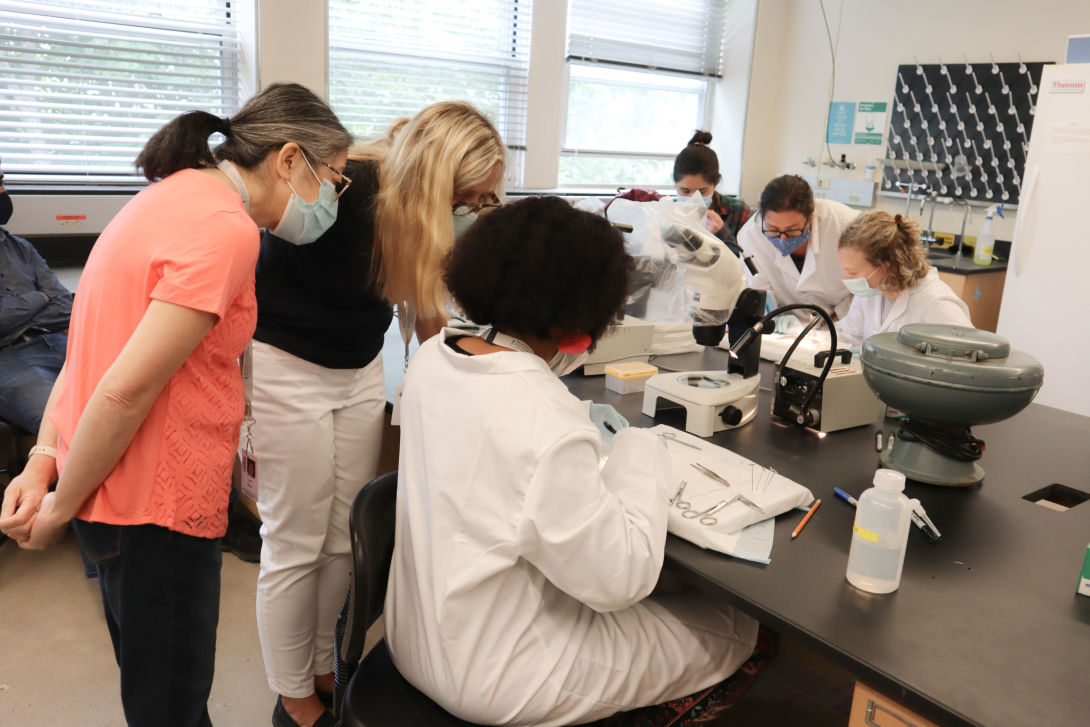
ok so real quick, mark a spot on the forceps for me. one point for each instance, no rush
(706, 516)
(670, 436)
(681, 504)
(708, 473)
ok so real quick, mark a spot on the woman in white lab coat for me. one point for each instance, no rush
(793, 244)
(520, 589)
(886, 269)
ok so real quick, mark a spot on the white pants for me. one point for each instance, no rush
(317, 441)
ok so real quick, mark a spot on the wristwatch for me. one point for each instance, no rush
(47, 451)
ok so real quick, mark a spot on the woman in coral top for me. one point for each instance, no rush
(144, 419)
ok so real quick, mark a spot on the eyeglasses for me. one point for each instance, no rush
(340, 187)
(486, 201)
(789, 234)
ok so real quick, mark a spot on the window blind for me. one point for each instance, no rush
(84, 84)
(685, 36)
(391, 58)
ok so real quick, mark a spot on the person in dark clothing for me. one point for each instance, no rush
(696, 169)
(35, 310)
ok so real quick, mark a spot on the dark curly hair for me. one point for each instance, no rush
(540, 265)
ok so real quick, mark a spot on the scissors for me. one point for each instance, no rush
(681, 504)
(706, 516)
(670, 436)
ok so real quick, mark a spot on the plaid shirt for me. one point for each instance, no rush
(31, 297)
(734, 212)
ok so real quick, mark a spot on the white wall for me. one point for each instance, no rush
(790, 79)
(292, 43)
(729, 95)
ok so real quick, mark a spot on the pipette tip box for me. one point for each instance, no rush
(629, 378)
(1084, 577)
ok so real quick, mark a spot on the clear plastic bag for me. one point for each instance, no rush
(655, 294)
(711, 277)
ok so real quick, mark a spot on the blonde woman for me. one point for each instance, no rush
(319, 392)
(886, 270)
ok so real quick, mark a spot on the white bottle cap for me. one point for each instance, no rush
(890, 480)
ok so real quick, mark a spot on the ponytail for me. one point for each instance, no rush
(181, 144)
(697, 158)
(282, 113)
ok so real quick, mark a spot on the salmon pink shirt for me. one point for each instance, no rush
(185, 240)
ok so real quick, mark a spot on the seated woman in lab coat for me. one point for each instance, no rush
(886, 269)
(521, 584)
(793, 244)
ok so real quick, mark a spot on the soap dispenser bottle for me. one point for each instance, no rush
(880, 534)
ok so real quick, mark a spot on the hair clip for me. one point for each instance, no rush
(574, 343)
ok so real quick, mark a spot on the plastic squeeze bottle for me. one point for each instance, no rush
(880, 535)
(985, 239)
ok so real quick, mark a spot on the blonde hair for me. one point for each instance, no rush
(885, 239)
(424, 162)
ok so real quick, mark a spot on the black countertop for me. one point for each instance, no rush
(964, 265)
(986, 628)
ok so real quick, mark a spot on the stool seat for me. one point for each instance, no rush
(378, 696)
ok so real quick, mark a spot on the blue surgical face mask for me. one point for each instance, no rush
(304, 222)
(708, 199)
(788, 246)
(463, 223)
(861, 286)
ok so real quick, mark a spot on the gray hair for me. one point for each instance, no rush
(280, 114)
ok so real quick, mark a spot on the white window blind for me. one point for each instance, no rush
(669, 35)
(391, 58)
(84, 84)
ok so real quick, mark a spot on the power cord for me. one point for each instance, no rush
(833, 48)
(962, 446)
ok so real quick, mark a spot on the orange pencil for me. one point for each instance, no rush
(806, 519)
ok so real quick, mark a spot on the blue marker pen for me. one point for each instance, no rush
(845, 497)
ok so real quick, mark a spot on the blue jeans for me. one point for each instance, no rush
(161, 593)
(28, 370)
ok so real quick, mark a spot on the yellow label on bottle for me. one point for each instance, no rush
(986, 250)
(865, 534)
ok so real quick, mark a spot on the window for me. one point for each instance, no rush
(84, 84)
(637, 88)
(391, 58)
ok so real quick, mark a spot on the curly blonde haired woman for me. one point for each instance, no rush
(886, 270)
(319, 391)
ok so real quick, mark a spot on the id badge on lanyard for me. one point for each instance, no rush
(246, 443)
(406, 321)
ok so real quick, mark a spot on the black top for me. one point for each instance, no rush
(31, 297)
(986, 628)
(318, 301)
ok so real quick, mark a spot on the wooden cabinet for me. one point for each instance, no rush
(871, 709)
(982, 292)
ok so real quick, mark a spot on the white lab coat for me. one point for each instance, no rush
(929, 301)
(519, 586)
(820, 281)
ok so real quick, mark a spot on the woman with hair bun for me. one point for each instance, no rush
(143, 422)
(886, 269)
(696, 169)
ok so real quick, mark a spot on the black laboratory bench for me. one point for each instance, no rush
(986, 628)
(964, 265)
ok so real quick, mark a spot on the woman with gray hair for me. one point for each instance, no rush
(143, 422)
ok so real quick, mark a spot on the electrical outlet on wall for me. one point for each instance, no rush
(71, 221)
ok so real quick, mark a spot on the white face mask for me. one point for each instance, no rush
(304, 222)
(561, 364)
(861, 286)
